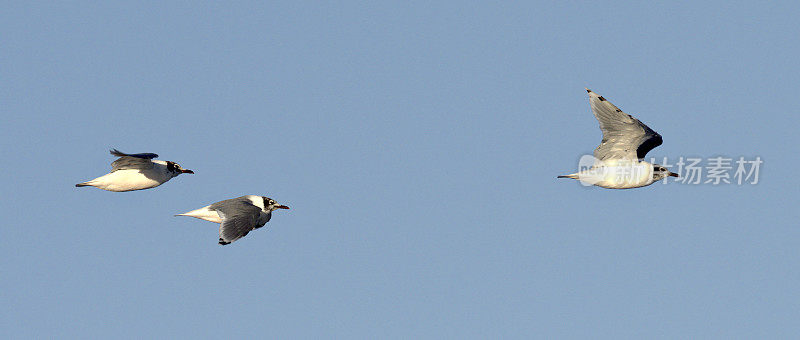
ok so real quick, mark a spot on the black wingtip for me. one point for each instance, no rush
(81, 185)
(598, 96)
(116, 152)
(222, 242)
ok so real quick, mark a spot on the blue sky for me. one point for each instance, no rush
(417, 144)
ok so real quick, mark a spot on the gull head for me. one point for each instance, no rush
(660, 172)
(271, 205)
(175, 169)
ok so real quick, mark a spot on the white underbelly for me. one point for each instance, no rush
(618, 176)
(125, 180)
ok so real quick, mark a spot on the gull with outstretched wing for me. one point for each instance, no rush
(618, 160)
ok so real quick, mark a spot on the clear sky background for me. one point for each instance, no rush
(417, 144)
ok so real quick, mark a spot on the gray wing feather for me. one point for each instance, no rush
(138, 161)
(118, 153)
(134, 163)
(263, 219)
(624, 137)
(239, 217)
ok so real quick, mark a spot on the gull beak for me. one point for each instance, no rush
(187, 171)
(674, 174)
(281, 207)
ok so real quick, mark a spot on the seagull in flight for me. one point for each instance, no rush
(136, 172)
(237, 216)
(618, 160)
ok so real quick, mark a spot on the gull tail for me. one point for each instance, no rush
(186, 214)
(204, 213)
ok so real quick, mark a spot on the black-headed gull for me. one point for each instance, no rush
(237, 216)
(136, 172)
(618, 160)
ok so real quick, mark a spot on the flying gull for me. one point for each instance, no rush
(618, 160)
(136, 172)
(237, 216)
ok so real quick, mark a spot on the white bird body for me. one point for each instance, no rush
(130, 179)
(136, 172)
(617, 174)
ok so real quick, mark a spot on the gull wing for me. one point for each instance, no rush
(239, 217)
(147, 155)
(137, 161)
(624, 137)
